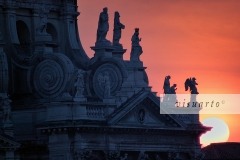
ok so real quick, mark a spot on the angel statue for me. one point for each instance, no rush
(191, 83)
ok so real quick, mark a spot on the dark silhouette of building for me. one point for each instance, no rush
(67, 106)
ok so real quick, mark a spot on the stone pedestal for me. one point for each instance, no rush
(103, 51)
(103, 43)
(80, 99)
(118, 51)
(135, 75)
(43, 43)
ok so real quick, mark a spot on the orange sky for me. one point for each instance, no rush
(179, 38)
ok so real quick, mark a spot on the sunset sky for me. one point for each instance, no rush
(183, 39)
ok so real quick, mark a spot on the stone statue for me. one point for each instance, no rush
(43, 14)
(105, 83)
(166, 88)
(173, 96)
(79, 84)
(107, 93)
(103, 26)
(191, 83)
(166, 85)
(6, 109)
(173, 89)
(117, 31)
(136, 48)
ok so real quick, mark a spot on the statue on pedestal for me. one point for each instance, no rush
(173, 89)
(104, 81)
(136, 48)
(103, 26)
(117, 31)
(191, 83)
(166, 85)
(167, 88)
(170, 92)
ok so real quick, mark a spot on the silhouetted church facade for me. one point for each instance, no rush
(59, 104)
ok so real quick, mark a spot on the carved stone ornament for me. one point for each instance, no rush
(51, 75)
(106, 81)
(79, 83)
(141, 115)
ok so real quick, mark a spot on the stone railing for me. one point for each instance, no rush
(67, 111)
(94, 112)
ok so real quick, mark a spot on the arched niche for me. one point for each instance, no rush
(24, 37)
(52, 31)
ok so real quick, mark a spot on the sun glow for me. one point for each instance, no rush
(219, 133)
